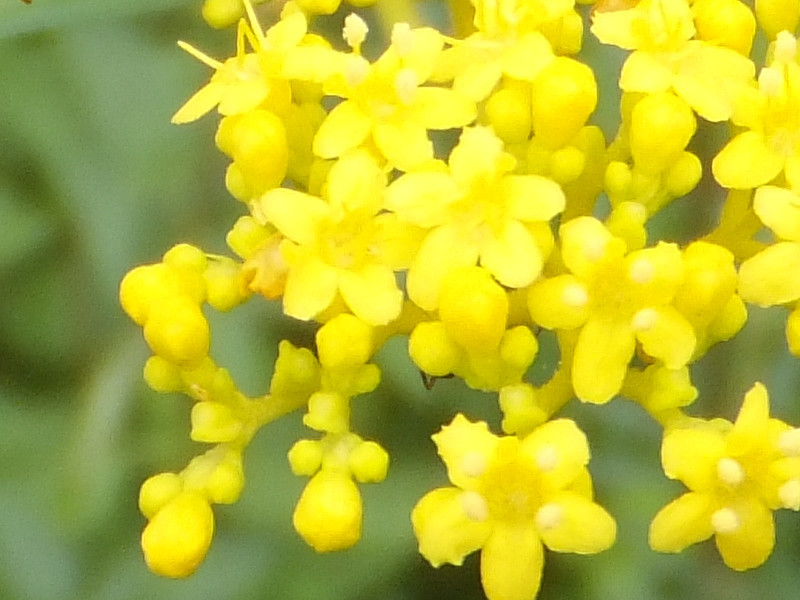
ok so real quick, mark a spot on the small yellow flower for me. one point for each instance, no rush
(737, 474)
(341, 245)
(617, 299)
(510, 497)
(387, 103)
(477, 212)
(771, 113)
(665, 56)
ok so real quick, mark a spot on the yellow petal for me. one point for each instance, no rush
(752, 542)
(345, 127)
(466, 448)
(440, 108)
(617, 27)
(511, 562)
(444, 532)
(297, 215)
(681, 523)
(569, 522)
(643, 72)
(404, 143)
(243, 96)
(585, 243)
(530, 54)
(310, 288)
(710, 78)
(356, 183)
(513, 256)
(421, 198)
(559, 302)
(443, 249)
(288, 32)
(665, 334)
(532, 198)
(779, 209)
(604, 349)
(559, 449)
(371, 293)
(691, 455)
(425, 47)
(750, 430)
(478, 78)
(763, 278)
(203, 101)
(746, 162)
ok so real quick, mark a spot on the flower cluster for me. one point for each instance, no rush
(452, 190)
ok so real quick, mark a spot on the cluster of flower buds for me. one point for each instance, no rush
(453, 191)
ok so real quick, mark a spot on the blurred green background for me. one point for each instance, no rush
(94, 180)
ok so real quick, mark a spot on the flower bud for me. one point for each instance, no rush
(329, 512)
(176, 539)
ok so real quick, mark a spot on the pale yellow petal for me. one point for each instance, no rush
(288, 32)
(560, 449)
(440, 108)
(202, 102)
(710, 78)
(665, 334)
(444, 532)
(511, 562)
(310, 288)
(477, 80)
(779, 209)
(466, 448)
(681, 523)
(422, 197)
(371, 293)
(345, 127)
(691, 456)
(560, 302)
(404, 143)
(512, 256)
(750, 433)
(644, 72)
(616, 27)
(570, 522)
(604, 349)
(396, 242)
(530, 53)
(297, 215)
(445, 248)
(770, 277)
(746, 162)
(532, 197)
(752, 542)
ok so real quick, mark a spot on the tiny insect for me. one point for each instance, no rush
(27, 1)
(430, 380)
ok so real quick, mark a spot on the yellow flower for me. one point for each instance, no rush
(617, 300)
(771, 113)
(510, 497)
(665, 56)
(385, 101)
(504, 44)
(477, 212)
(737, 473)
(339, 245)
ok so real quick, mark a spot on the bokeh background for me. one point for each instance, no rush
(94, 180)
